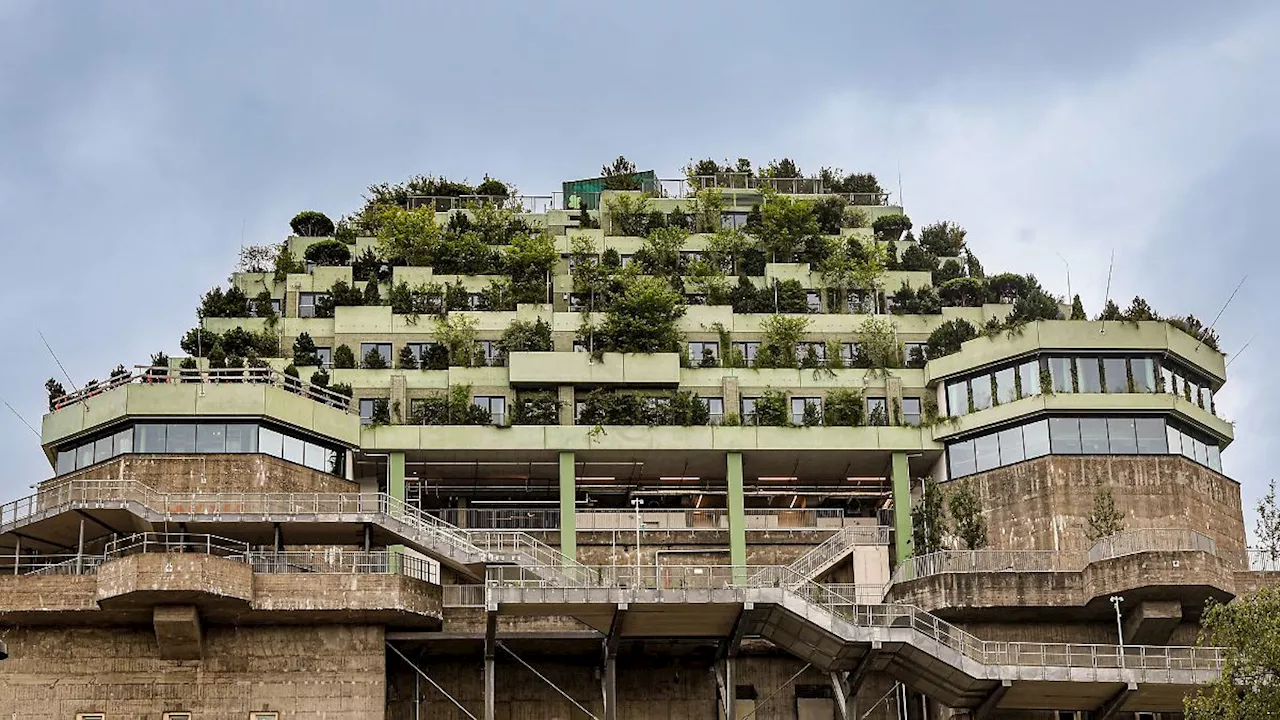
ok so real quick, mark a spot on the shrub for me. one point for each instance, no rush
(642, 319)
(262, 306)
(890, 227)
(918, 259)
(620, 175)
(629, 215)
(525, 336)
(320, 378)
(771, 409)
(371, 295)
(304, 350)
(880, 344)
(328, 252)
(779, 336)
(964, 292)
(943, 239)
(343, 357)
(407, 361)
(311, 223)
(373, 360)
(830, 214)
(536, 408)
(844, 408)
(367, 266)
(947, 337)
(342, 389)
(56, 392)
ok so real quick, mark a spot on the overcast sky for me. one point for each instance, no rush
(140, 146)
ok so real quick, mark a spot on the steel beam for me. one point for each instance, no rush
(729, 648)
(726, 681)
(840, 693)
(988, 706)
(544, 679)
(1109, 709)
(609, 678)
(434, 684)
(855, 679)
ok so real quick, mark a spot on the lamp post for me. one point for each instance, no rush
(1116, 600)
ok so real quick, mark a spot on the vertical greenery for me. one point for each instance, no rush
(779, 336)
(966, 513)
(928, 526)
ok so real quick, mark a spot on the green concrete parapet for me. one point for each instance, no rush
(558, 368)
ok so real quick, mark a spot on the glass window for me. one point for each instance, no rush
(1122, 435)
(1214, 456)
(1200, 455)
(748, 350)
(383, 350)
(294, 450)
(84, 456)
(715, 408)
(307, 304)
(987, 452)
(1005, 390)
(66, 461)
(181, 439)
(242, 438)
(958, 398)
(1144, 374)
(1029, 378)
(1151, 436)
(877, 411)
(1191, 391)
(102, 449)
(270, 442)
(798, 406)
(1088, 375)
(366, 411)
(813, 301)
(1117, 372)
(1064, 436)
(1060, 374)
(1011, 447)
(1206, 398)
(495, 404)
(1175, 440)
(151, 437)
(1035, 439)
(490, 352)
(326, 356)
(315, 457)
(962, 459)
(849, 353)
(749, 410)
(1167, 376)
(211, 438)
(981, 389)
(124, 441)
(1093, 436)
(1175, 388)
(911, 411)
(704, 354)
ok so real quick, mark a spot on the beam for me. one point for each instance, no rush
(726, 681)
(426, 636)
(900, 476)
(840, 693)
(490, 642)
(568, 506)
(434, 684)
(988, 707)
(609, 678)
(544, 679)
(860, 673)
(99, 523)
(729, 648)
(395, 488)
(737, 517)
(1109, 709)
(33, 538)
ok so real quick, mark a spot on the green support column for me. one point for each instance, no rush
(395, 488)
(901, 478)
(737, 516)
(568, 507)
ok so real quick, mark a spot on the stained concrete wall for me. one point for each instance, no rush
(214, 473)
(1044, 504)
(328, 671)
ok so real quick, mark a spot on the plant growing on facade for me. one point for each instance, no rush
(328, 252)
(771, 409)
(304, 350)
(891, 227)
(320, 378)
(525, 336)
(381, 413)
(407, 360)
(1077, 309)
(536, 408)
(928, 526)
(620, 175)
(373, 360)
(1267, 527)
(879, 344)
(529, 260)
(966, 514)
(1105, 520)
(56, 392)
(878, 416)
(963, 292)
(371, 295)
(256, 258)
(285, 264)
(785, 224)
(457, 333)
(629, 215)
(642, 318)
(843, 407)
(779, 336)
(943, 239)
(342, 389)
(343, 358)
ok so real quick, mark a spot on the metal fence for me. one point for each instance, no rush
(1129, 542)
(547, 518)
(966, 561)
(342, 561)
(463, 596)
(146, 375)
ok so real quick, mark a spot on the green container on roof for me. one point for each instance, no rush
(586, 193)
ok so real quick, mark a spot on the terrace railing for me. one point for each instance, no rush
(1129, 542)
(146, 375)
(449, 203)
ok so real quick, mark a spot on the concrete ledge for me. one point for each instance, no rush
(168, 578)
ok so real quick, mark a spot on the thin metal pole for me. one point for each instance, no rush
(80, 548)
(427, 677)
(545, 680)
(781, 687)
(17, 554)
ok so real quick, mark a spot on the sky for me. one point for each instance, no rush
(142, 144)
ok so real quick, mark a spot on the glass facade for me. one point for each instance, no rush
(1079, 436)
(196, 438)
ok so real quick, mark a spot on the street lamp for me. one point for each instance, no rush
(1116, 600)
(636, 503)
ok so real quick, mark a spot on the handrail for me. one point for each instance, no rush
(340, 561)
(837, 546)
(174, 542)
(148, 375)
(1128, 542)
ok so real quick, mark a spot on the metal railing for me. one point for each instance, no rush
(161, 542)
(51, 564)
(547, 518)
(1263, 560)
(967, 561)
(1129, 542)
(463, 596)
(836, 547)
(146, 375)
(341, 561)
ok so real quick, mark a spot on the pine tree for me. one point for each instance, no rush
(966, 512)
(927, 522)
(1106, 520)
(1077, 309)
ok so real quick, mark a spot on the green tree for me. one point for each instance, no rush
(373, 360)
(1105, 520)
(1077, 309)
(642, 318)
(785, 225)
(1246, 689)
(304, 350)
(943, 239)
(966, 513)
(1267, 528)
(328, 252)
(343, 358)
(947, 337)
(407, 360)
(311, 223)
(880, 346)
(928, 526)
(620, 175)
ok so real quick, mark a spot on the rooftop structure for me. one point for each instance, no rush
(738, 444)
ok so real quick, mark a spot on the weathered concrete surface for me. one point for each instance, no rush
(335, 672)
(213, 473)
(1044, 504)
(1152, 622)
(178, 631)
(165, 578)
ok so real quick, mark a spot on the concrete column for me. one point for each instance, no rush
(395, 488)
(399, 395)
(568, 507)
(489, 704)
(737, 514)
(609, 683)
(731, 391)
(566, 404)
(901, 479)
(291, 303)
(893, 396)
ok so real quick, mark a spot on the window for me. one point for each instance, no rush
(578, 406)
(91, 716)
(177, 716)
(366, 411)
(813, 301)
(211, 438)
(84, 456)
(181, 439)
(1116, 371)
(1006, 391)
(1035, 439)
(326, 356)
(958, 398)
(294, 450)
(861, 302)
(1029, 378)
(733, 220)
(704, 354)
(877, 411)
(264, 716)
(66, 462)
(961, 457)
(1122, 436)
(715, 409)
(817, 349)
(580, 345)
(986, 450)
(1144, 374)
(495, 404)
(242, 438)
(1167, 376)
(1151, 436)
(383, 350)
(849, 353)
(1206, 398)
(1060, 374)
(1064, 436)
(800, 404)
(102, 449)
(489, 350)
(270, 442)
(915, 353)
(1089, 375)
(911, 411)
(748, 350)
(307, 304)
(1093, 436)
(749, 410)
(1012, 448)
(980, 387)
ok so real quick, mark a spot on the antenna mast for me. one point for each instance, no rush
(1103, 329)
